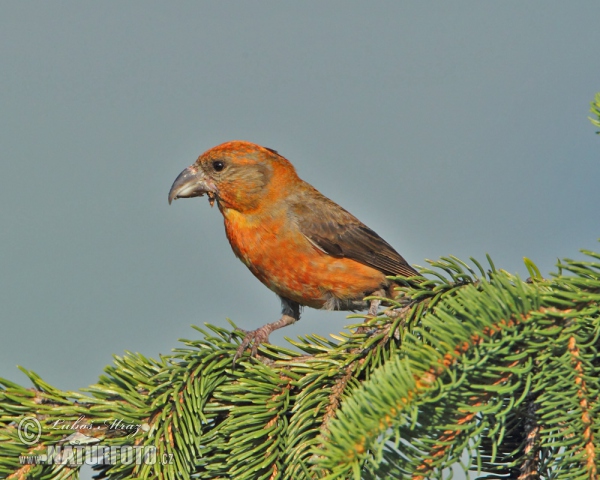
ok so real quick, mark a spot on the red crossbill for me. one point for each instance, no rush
(300, 244)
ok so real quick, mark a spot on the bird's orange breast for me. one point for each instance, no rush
(281, 257)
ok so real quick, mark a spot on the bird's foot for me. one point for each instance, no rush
(254, 338)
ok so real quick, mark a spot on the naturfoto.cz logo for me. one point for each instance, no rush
(78, 449)
(77, 455)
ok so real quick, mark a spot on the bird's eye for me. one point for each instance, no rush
(218, 165)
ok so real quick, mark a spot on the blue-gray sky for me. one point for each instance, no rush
(448, 128)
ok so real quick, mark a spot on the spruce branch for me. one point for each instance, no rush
(471, 367)
(530, 467)
(595, 109)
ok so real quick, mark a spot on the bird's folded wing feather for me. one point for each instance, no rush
(340, 234)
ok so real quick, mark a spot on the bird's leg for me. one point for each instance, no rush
(254, 338)
(373, 308)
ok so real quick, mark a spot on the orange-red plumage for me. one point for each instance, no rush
(303, 246)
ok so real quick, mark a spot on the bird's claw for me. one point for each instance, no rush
(253, 339)
(234, 331)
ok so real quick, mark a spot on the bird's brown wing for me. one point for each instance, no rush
(340, 234)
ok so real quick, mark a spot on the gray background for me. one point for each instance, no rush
(449, 129)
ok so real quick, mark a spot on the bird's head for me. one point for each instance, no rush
(238, 175)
